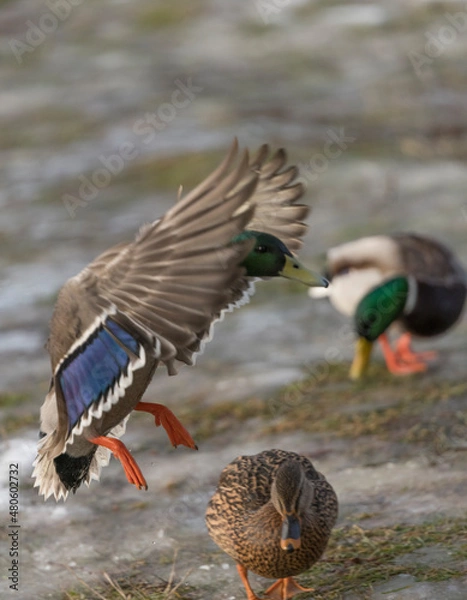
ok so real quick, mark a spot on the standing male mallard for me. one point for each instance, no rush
(406, 278)
(273, 514)
(154, 300)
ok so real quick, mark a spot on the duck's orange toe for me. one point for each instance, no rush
(286, 588)
(120, 451)
(165, 417)
(405, 354)
(395, 364)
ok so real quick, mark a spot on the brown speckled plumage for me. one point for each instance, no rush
(243, 521)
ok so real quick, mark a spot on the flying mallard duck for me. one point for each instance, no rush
(405, 278)
(273, 514)
(154, 300)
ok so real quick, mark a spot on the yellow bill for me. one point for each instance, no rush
(293, 269)
(361, 358)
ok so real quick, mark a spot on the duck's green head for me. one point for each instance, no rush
(291, 495)
(375, 313)
(270, 257)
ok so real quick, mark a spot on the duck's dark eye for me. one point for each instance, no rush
(261, 249)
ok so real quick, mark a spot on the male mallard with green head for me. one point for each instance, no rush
(273, 514)
(406, 278)
(154, 300)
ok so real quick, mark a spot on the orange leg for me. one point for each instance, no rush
(165, 417)
(120, 451)
(244, 577)
(394, 364)
(407, 355)
(285, 588)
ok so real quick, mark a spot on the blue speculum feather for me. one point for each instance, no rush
(126, 339)
(94, 368)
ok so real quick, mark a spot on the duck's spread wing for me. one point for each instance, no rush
(277, 211)
(152, 299)
(172, 281)
(157, 297)
(102, 262)
(276, 195)
(182, 271)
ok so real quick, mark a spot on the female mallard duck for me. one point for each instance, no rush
(404, 277)
(154, 300)
(273, 514)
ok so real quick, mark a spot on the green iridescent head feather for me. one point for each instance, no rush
(270, 257)
(381, 307)
(375, 313)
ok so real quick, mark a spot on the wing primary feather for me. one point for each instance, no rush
(209, 182)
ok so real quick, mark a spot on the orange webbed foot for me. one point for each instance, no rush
(120, 451)
(406, 355)
(401, 368)
(395, 365)
(165, 417)
(285, 588)
(244, 577)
